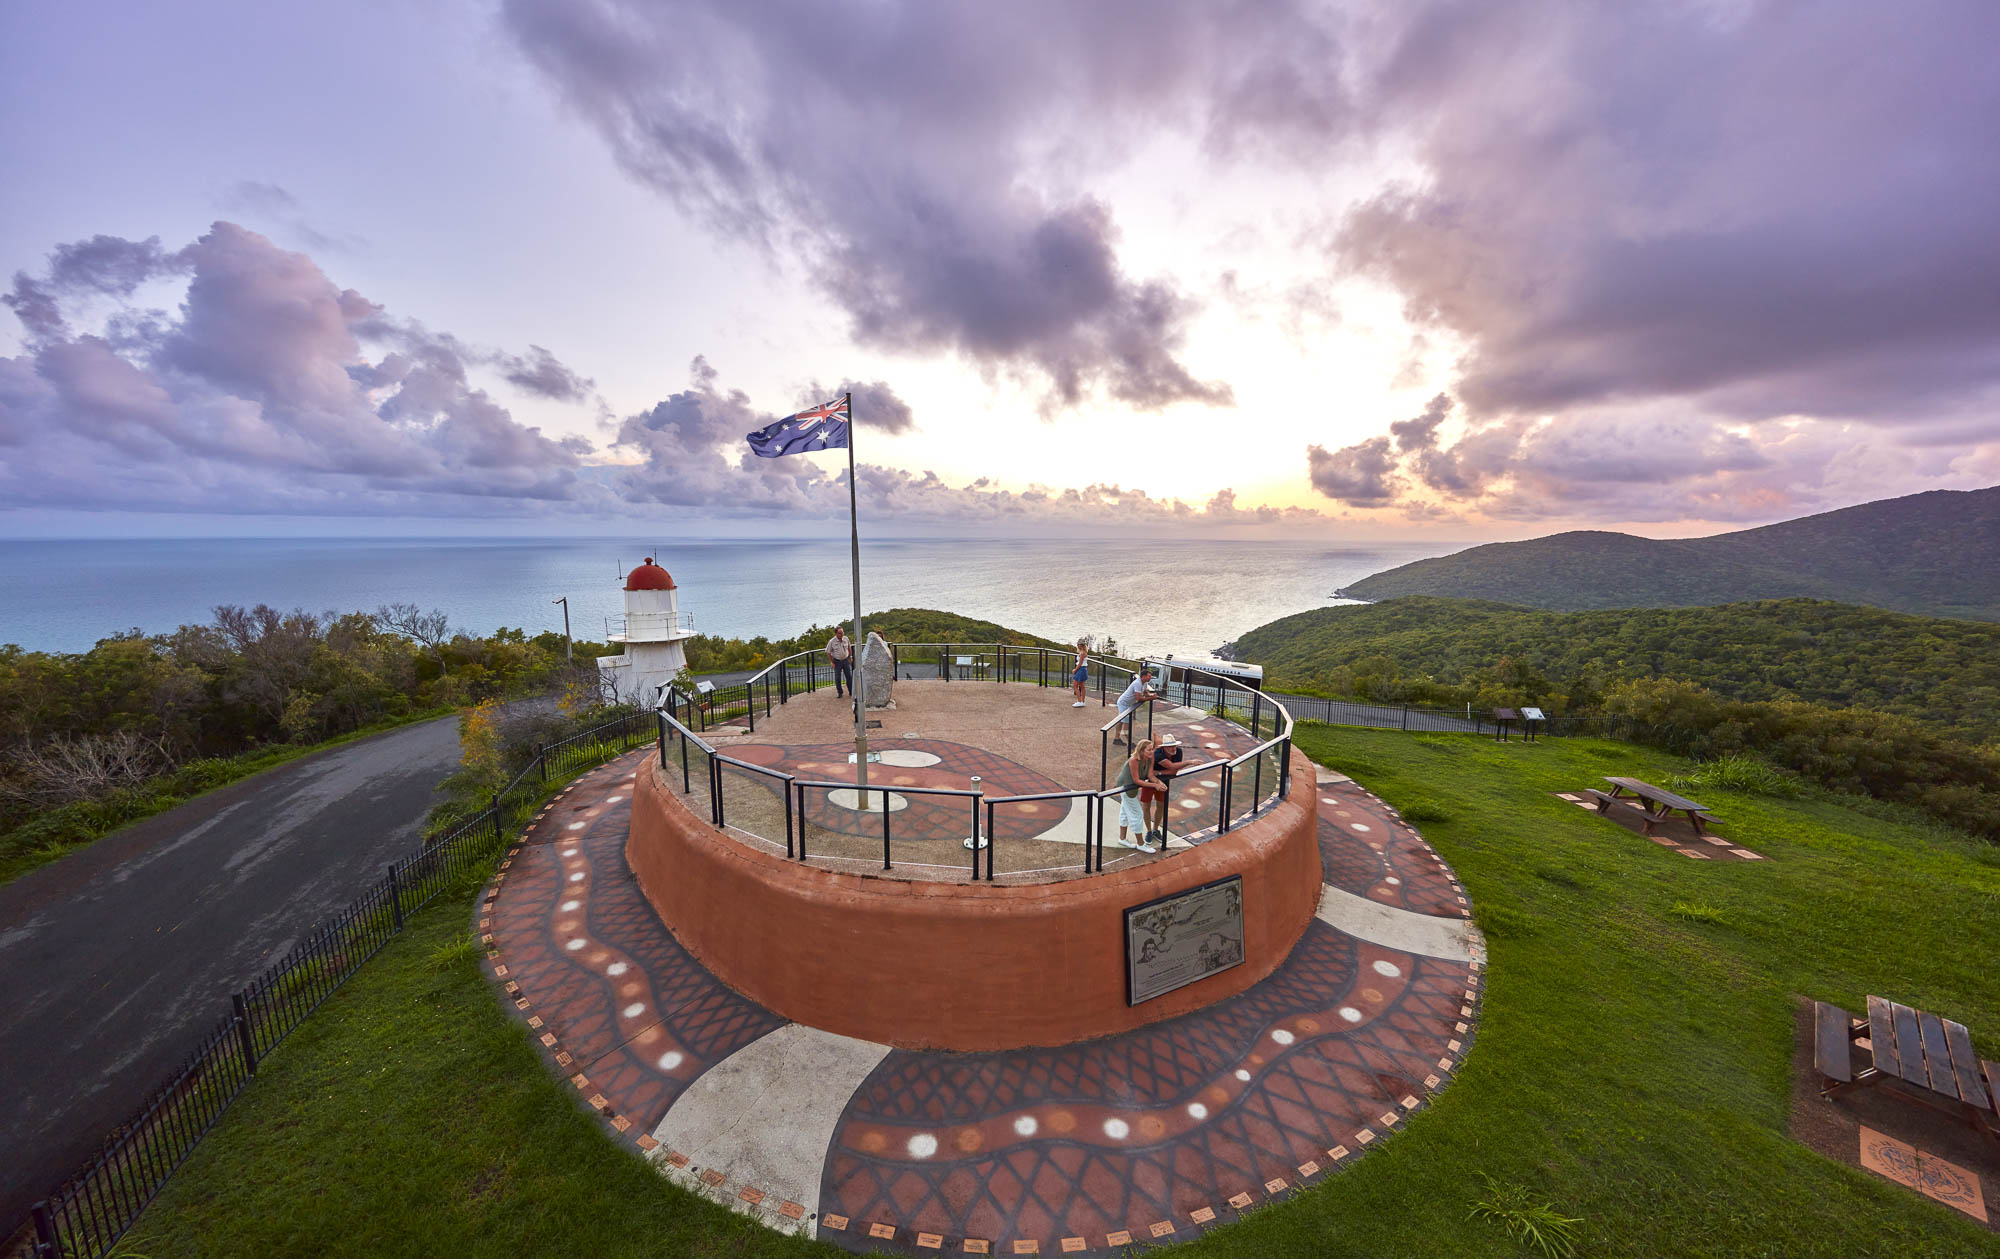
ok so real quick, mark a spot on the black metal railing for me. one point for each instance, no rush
(87, 1213)
(790, 814)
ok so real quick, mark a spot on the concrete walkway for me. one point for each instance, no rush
(113, 959)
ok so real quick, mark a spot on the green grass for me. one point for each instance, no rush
(56, 833)
(1631, 1069)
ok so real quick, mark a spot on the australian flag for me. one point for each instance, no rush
(821, 428)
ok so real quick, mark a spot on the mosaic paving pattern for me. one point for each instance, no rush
(1367, 850)
(613, 999)
(1247, 1097)
(1153, 1135)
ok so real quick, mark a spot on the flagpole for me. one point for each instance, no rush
(860, 644)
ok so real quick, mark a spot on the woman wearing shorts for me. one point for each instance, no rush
(1080, 675)
(1135, 776)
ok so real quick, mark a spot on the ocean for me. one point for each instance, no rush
(1152, 596)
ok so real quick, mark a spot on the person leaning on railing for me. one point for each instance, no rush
(1139, 692)
(1133, 776)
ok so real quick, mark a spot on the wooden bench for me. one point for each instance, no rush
(1833, 1042)
(1991, 1070)
(1605, 802)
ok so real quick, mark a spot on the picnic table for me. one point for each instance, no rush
(1929, 1058)
(1655, 804)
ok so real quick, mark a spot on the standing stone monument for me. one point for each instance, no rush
(878, 670)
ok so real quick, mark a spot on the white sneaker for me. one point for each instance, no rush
(1078, 704)
(1129, 843)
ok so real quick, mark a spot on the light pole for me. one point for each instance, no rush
(569, 652)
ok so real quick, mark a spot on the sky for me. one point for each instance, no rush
(1461, 268)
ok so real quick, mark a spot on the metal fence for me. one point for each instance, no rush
(921, 826)
(1416, 718)
(87, 1213)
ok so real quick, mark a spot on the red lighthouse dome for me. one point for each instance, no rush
(648, 576)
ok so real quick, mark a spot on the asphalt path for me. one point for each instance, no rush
(115, 959)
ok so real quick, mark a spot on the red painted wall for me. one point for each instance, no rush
(957, 965)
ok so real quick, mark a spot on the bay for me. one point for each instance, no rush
(1184, 596)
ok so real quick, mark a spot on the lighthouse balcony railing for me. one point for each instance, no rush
(648, 627)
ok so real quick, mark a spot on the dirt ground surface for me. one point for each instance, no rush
(1032, 726)
(1880, 1131)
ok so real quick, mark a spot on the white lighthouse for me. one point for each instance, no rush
(652, 629)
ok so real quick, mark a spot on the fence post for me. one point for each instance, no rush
(750, 705)
(715, 788)
(977, 795)
(1256, 714)
(498, 835)
(788, 816)
(1222, 823)
(1406, 716)
(48, 1244)
(541, 759)
(885, 827)
(395, 896)
(1285, 771)
(244, 1040)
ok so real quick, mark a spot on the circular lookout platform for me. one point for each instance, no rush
(932, 956)
(919, 1060)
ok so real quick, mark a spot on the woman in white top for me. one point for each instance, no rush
(1080, 674)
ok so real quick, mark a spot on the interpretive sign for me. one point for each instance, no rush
(1176, 940)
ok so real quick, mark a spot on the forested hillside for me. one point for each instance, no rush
(899, 625)
(1936, 554)
(1944, 673)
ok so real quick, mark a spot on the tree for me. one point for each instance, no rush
(432, 629)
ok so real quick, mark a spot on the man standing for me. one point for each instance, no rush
(1139, 692)
(1166, 763)
(840, 654)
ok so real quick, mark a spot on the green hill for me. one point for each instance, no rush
(1942, 672)
(1936, 553)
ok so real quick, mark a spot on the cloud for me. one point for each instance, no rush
(260, 395)
(269, 203)
(929, 166)
(1703, 262)
(876, 405)
(1361, 475)
(689, 452)
(542, 374)
(1764, 209)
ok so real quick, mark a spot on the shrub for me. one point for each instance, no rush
(1736, 772)
(1531, 1223)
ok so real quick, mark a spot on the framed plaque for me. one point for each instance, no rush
(1175, 940)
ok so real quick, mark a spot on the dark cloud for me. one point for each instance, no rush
(36, 307)
(929, 164)
(110, 265)
(257, 397)
(1361, 475)
(876, 405)
(1766, 209)
(542, 374)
